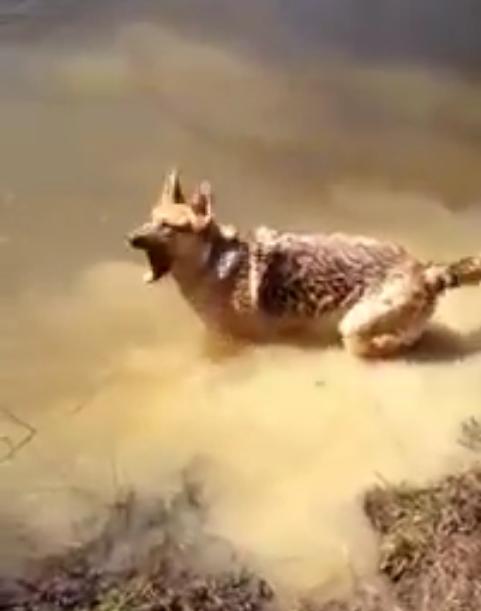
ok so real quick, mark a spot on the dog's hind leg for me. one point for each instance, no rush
(389, 319)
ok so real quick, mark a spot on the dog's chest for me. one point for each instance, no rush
(209, 287)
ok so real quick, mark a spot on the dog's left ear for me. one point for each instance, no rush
(202, 200)
(172, 191)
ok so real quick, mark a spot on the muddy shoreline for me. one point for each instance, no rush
(160, 558)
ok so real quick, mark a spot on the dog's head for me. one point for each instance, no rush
(175, 227)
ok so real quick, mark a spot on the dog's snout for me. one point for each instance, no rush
(139, 238)
(135, 240)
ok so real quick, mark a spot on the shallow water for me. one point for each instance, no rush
(118, 383)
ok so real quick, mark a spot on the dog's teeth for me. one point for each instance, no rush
(148, 277)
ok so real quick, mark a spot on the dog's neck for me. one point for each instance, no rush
(212, 253)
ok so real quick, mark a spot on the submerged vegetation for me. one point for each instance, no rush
(154, 558)
(161, 558)
(430, 542)
(429, 555)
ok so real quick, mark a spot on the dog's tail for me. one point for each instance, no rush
(463, 272)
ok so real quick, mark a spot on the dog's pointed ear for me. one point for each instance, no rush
(202, 200)
(172, 191)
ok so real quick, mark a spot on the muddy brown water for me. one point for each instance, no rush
(109, 384)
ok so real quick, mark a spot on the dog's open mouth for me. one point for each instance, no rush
(160, 263)
(157, 255)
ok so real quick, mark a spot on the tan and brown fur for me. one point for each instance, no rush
(268, 283)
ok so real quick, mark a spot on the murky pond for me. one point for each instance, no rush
(107, 384)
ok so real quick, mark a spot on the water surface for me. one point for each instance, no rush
(118, 383)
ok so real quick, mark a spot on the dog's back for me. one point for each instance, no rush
(308, 275)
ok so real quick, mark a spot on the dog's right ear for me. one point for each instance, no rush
(202, 199)
(201, 203)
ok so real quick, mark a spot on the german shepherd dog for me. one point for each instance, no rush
(269, 283)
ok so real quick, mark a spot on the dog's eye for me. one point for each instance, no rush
(179, 227)
(165, 230)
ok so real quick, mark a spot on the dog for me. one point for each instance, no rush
(268, 283)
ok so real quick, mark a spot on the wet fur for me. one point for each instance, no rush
(268, 283)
